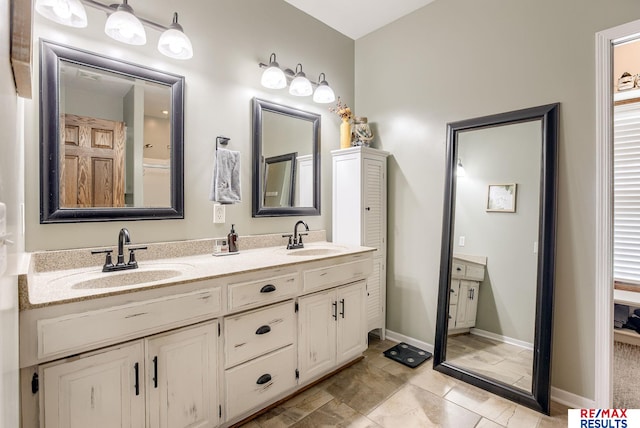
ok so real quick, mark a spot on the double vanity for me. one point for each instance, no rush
(188, 339)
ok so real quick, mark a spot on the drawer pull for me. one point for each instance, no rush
(458, 268)
(342, 303)
(451, 290)
(155, 371)
(136, 368)
(335, 310)
(268, 288)
(263, 329)
(263, 379)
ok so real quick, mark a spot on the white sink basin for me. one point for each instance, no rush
(314, 252)
(124, 278)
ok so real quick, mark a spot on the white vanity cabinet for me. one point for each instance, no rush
(360, 217)
(466, 275)
(331, 329)
(169, 379)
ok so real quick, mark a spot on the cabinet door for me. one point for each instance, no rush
(374, 215)
(352, 332)
(181, 378)
(467, 304)
(97, 390)
(317, 334)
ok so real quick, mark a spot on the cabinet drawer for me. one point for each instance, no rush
(260, 380)
(317, 279)
(87, 330)
(255, 333)
(475, 272)
(458, 270)
(254, 293)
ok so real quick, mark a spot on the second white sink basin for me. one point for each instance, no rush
(314, 252)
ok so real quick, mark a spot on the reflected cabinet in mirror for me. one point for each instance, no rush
(286, 161)
(495, 304)
(111, 139)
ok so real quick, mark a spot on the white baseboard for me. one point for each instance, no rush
(397, 337)
(503, 339)
(568, 399)
(571, 400)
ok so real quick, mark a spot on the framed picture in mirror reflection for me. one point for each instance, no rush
(501, 198)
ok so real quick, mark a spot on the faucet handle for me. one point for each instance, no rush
(132, 255)
(300, 235)
(290, 236)
(108, 262)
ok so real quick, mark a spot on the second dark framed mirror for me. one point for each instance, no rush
(495, 303)
(279, 132)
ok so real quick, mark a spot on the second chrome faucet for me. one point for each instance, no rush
(124, 238)
(296, 242)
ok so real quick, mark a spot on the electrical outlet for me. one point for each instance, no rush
(218, 213)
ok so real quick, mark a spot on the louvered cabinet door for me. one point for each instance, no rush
(373, 225)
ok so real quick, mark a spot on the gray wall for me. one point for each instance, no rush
(229, 38)
(501, 155)
(458, 59)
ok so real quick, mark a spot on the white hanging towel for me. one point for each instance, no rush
(225, 183)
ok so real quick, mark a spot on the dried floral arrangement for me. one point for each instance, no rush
(342, 110)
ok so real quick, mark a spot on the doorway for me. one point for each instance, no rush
(605, 41)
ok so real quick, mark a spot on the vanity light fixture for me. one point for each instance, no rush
(323, 94)
(460, 172)
(174, 43)
(273, 77)
(124, 26)
(300, 85)
(66, 12)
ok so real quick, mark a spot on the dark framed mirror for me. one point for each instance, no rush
(495, 303)
(111, 139)
(285, 139)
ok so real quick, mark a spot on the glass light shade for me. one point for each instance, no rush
(273, 77)
(66, 12)
(324, 94)
(175, 44)
(300, 86)
(124, 27)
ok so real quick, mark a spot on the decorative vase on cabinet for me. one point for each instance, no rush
(360, 217)
(345, 134)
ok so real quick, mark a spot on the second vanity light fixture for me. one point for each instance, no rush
(122, 24)
(275, 77)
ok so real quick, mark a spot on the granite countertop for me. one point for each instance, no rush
(44, 287)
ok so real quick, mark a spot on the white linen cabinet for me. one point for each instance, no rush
(360, 217)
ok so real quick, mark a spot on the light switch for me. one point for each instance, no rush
(461, 241)
(535, 247)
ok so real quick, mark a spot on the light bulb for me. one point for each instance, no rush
(323, 94)
(300, 86)
(273, 77)
(124, 27)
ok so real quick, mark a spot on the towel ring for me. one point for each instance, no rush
(221, 140)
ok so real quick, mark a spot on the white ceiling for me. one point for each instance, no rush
(357, 18)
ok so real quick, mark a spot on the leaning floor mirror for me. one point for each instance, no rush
(495, 304)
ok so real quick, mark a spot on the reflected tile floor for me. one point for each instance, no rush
(507, 363)
(378, 392)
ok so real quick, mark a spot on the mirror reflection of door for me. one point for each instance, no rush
(142, 176)
(93, 162)
(494, 267)
(280, 180)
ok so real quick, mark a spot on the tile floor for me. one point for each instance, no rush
(378, 392)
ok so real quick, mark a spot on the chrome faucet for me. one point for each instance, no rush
(123, 239)
(296, 242)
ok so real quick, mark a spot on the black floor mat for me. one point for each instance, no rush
(408, 355)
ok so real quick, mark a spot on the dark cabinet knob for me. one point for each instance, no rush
(263, 379)
(268, 288)
(263, 329)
